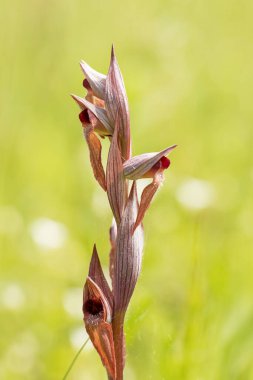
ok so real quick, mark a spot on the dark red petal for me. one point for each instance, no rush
(165, 162)
(84, 117)
(86, 84)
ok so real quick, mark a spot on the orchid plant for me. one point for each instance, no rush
(105, 114)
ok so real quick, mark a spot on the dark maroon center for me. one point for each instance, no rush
(86, 84)
(93, 306)
(84, 117)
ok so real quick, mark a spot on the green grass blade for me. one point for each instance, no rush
(74, 360)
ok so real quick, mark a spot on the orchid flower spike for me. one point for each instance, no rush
(104, 113)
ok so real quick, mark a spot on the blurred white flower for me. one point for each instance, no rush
(196, 194)
(21, 355)
(10, 220)
(48, 234)
(78, 336)
(72, 302)
(12, 296)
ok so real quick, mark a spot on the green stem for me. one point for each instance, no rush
(74, 360)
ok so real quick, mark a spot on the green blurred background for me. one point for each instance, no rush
(187, 66)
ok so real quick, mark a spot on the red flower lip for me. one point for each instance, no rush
(86, 85)
(84, 117)
(165, 162)
(93, 306)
